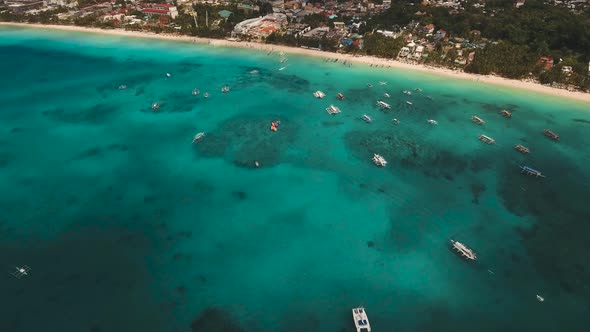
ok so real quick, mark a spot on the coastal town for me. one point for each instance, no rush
(411, 32)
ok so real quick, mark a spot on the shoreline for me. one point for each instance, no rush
(367, 60)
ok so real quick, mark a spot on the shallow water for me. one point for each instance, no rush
(128, 227)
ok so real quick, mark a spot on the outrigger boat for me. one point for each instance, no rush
(319, 94)
(551, 135)
(196, 92)
(369, 85)
(521, 148)
(225, 89)
(418, 90)
(283, 60)
(379, 160)
(383, 105)
(395, 121)
(155, 106)
(332, 110)
(122, 87)
(386, 95)
(487, 139)
(383, 83)
(506, 114)
(21, 271)
(361, 321)
(406, 92)
(432, 122)
(206, 95)
(198, 137)
(464, 250)
(367, 118)
(530, 171)
(477, 120)
(340, 96)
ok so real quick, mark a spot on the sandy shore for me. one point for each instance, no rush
(387, 63)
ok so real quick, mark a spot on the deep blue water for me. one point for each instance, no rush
(127, 226)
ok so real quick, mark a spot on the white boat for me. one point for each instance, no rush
(379, 160)
(198, 137)
(361, 321)
(155, 106)
(319, 94)
(406, 92)
(225, 89)
(409, 102)
(383, 83)
(122, 87)
(432, 122)
(487, 139)
(395, 121)
(332, 109)
(540, 298)
(464, 250)
(196, 92)
(367, 118)
(369, 85)
(254, 72)
(283, 68)
(383, 105)
(168, 75)
(206, 95)
(386, 95)
(477, 120)
(21, 271)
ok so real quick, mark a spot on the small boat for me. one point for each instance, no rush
(367, 118)
(551, 134)
(418, 90)
(487, 139)
(361, 321)
(383, 83)
(21, 271)
(521, 148)
(283, 60)
(409, 102)
(386, 95)
(122, 87)
(225, 89)
(477, 120)
(340, 96)
(198, 137)
(319, 94)
(379, 160)
(432, 122)
(274, 126)
(155, 106)
(206, 95)
(464, 250)
(531, 171)
(506, 114)
(283, 68)
(383, 104)
(406, 92)
(168, 75)
(257, 164)
(540, 298)
(254, 72)
(369, 85)
(395, 121)
(332, 110)
(196, 92)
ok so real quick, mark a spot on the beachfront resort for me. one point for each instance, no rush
(420, 36)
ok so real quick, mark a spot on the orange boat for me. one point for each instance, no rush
(506, 114)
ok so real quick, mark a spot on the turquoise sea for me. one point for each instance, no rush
(127, 226)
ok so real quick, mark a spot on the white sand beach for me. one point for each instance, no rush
(388, 63)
